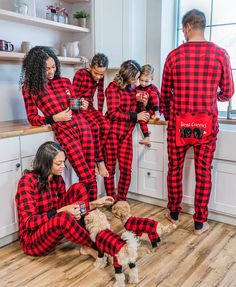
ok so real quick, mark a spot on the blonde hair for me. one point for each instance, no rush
(128, 71)
(147, 70)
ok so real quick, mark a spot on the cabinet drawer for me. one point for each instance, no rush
(151, 157)
(157, 133)
(31, 143)
(150, 183)
(9, 149)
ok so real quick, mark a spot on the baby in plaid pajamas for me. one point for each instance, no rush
(46, 211)
(86, 82)
(148, 100)
(196, 74)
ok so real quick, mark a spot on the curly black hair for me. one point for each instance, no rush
(99, 60)
(33, 73)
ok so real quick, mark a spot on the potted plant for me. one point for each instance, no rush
(82, 16)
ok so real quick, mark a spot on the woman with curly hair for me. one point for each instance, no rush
(46, 211)
(43, 88)
(122, 115)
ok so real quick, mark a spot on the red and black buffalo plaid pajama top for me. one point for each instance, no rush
(151, 107)
(195, 76)
(122, 115)
(40, 227)
(74, 136)
(111, 243)
(85, 87)
(140, 225)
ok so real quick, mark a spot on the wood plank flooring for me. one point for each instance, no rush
(182, 259)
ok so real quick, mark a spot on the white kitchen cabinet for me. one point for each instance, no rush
(10, 172)
(223, 197)
(120, 30)
(150, 182)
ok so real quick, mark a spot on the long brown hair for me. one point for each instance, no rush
(127, 73)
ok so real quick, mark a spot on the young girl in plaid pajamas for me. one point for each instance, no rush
(122, 115)
(46, 211)
(44, 88)
(86, 82)
(148, 99)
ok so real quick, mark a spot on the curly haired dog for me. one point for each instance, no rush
(140, 225)
(122, 248)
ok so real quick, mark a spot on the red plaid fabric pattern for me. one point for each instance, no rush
(152, 105)
(120, 105)
(39, 234)
(140, 225)
(74, 136)
(192, 75)
(109, 242)
(85, 87)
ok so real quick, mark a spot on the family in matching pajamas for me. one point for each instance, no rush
(195, 76)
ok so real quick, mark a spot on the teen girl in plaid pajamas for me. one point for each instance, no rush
(148, 99)
(121, 112)
(86, 82)
(195, 76)
(46, 211)
(43, 88)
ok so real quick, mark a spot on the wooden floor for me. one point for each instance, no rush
(182, 259)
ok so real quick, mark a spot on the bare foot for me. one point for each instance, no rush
(146, 141)
(84, 250)
(102, 169)
(202, 230)
(175, 222)
(165, 228)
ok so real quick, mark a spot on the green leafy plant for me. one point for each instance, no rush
(81, 14)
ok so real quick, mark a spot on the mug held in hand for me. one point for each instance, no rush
(82, 207)
(75, 103)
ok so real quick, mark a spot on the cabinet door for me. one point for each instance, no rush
(150, 183)
(109, 30)
(10, 173)
(151, 157)
(30, 143)
(9, 149)
(223, 197)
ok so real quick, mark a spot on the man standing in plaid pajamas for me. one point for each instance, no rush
(195, 76)
(86, 82)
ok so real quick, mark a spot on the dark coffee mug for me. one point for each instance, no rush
(6, 46)
(75, 103)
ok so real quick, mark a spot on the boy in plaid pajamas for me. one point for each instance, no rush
(122, 115)
(148, 99)
(46, 211)
(195, 76)
(44, 88)
(86, 82)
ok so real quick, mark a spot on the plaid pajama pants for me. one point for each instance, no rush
(121, 149)
(203, 156)
(144, 125)
(100, 129)
(46, 237)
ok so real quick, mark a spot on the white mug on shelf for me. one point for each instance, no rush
(25, 46)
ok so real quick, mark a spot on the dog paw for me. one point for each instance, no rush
(100, 263)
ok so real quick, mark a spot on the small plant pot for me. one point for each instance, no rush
(82, 22)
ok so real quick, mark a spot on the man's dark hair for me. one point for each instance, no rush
(99, 60)
(195, 18)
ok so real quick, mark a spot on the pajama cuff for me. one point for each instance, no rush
(49, 120)
(133, 117)
(156, 108)
(51, 213)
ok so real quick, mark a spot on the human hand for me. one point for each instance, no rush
(105, 200)
(84, 104)
(73, 209)
(143, 116)
(63, 116)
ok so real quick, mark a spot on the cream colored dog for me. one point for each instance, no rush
(123, 248)
(139, 225)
